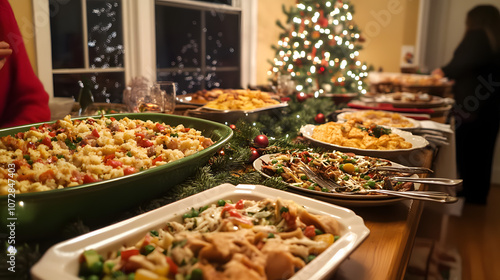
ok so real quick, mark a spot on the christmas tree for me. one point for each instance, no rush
(319, 48)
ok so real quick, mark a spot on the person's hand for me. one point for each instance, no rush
(438, 73)
(5, 51)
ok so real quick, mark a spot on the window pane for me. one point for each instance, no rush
(187, 82)
(66, 34)
(105, 33)
(178, 34)
(223, 39)
(223, 79)
(108, 87)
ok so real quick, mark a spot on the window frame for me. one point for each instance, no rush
(139, 40)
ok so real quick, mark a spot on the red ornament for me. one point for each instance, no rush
(232, 126)
(254, 154)
(323, 22)
(321, 69)
(320, 118)
(222, 152)
(301, 97)
(261, 141)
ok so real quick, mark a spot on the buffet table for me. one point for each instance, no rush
(386, 251)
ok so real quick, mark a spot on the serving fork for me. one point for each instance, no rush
(332, 186)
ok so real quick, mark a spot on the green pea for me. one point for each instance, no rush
(310, 258)
(303, 177)
(274, 161)
(345, 178)
(146, 250)
(312, 188)
(197, 274)
(318, 231)
(270, 235)
(367, 177)
(221, 202)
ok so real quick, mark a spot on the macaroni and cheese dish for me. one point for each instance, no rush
(242, 100)
(355, 135)
(371, 117)
(266, 239)
(70, 152)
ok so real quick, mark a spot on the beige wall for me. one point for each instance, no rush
(387, 25)
(23, 10)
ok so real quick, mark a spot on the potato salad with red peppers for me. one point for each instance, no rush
(267, 239)
(70, 152)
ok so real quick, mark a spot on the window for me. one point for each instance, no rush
(198, 44)
(93, 52)
(198, 47)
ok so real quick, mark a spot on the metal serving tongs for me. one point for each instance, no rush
(416, 170)
(418, 195)
(403, 169)
(429, 181)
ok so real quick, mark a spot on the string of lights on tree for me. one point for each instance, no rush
(319, 48)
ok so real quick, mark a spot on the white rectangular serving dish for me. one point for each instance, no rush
(61, 260)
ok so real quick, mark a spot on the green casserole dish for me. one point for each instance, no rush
(41, 214)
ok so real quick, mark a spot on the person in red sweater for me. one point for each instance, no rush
(23, 100)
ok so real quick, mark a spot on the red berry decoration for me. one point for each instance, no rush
(232, 126)
(320, 118)
(254, 154)
(261, 141)
(222, 152)
(301, 97)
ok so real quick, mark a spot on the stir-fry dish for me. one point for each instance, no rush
(69, 152)
(349, 172)
(266, 239)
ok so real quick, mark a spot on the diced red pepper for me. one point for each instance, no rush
(89, 179)
(47, 142)
(112, 119)
(186, 129)
(239, 204)
(129, 170)
(108, 157)
(31, 145)
(114, 163)
(160, 127)
(172, 266)
(226, 208)
(157, 159)
(234, 213)
(125, 255)
(33, 128)
(95, 133)
(20, 135)
(145, 143)
(49, 174)
(90, 121)
(52, 134)
(140, 134)
(309, 231)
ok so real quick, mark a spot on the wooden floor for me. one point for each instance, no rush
(464, 245)
(476, 235)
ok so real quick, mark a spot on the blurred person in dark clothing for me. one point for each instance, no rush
(475, 69)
